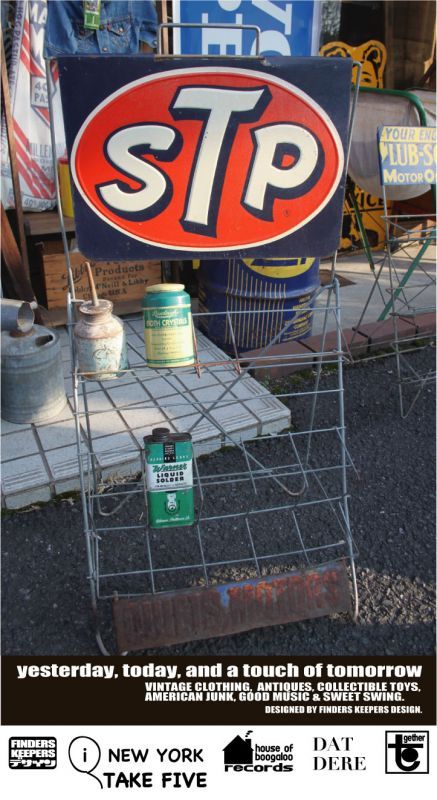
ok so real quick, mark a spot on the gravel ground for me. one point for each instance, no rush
(46, 608)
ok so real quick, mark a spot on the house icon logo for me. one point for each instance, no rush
(239, 750)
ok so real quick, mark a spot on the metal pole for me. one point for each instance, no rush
(343, 454)
(50, 91)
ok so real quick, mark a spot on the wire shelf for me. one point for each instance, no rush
(269, 508)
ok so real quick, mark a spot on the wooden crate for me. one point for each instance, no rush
(122, 282)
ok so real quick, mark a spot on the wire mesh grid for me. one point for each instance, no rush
(406, 295)
(410, 276)
(267, 505)
(291, 518)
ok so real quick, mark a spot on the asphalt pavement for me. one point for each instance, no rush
(46, 608)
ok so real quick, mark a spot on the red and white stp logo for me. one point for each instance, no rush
(217, 159)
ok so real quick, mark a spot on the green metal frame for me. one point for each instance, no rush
(405, 279)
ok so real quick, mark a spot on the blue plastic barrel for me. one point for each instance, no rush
(279, 288)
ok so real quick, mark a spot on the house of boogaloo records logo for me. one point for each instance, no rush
(406, 752)
(242, 755)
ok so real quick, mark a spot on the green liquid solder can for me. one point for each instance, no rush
(169, 478)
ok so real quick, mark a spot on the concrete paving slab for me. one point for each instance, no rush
(16, 445)
(63, 463)
(22, 499)
(58, 435)
(21, 474)
(177, 406)
(236, 421)
(104, 424)
(115, 449)
(158, 387)
(139, 416)
(194, 381)
(131, 394)
(98, 402)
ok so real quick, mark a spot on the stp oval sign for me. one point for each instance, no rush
(217, 159)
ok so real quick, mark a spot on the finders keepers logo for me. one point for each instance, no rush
(220, 158)
(241, 756)
(32, 753)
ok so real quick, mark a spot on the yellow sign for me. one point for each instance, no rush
(372, 56)
(407, 155)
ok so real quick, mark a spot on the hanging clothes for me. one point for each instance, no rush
(123, 25)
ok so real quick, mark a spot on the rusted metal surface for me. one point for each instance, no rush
(200, 613)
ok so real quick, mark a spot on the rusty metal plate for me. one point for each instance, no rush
(200, 613)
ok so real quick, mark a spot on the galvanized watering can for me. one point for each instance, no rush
(32, 375)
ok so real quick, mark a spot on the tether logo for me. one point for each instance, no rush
(241, 756)
(406, 752)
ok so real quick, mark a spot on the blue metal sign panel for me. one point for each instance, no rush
(206, 158)
(287, 28)
(407, 156)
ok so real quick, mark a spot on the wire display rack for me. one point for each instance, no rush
(274, 505)
(410, 292)
(271, 541)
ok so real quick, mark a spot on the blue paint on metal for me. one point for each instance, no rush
(286, 27)
(241, 286)
(224, 595)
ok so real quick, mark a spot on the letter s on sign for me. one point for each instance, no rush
(124, 150)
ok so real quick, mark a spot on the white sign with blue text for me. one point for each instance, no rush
(286, 28)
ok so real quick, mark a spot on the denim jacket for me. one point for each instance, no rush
(123, 25)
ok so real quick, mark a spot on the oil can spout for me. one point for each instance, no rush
(94, 298)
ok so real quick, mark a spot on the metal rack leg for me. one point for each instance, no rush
(344, 456)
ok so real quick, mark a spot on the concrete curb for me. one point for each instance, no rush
(296, 356)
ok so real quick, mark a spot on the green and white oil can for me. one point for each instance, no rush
(168, 331)
(169, 479)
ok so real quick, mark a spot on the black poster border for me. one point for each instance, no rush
(99, 701)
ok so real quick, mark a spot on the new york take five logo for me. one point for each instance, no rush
(216, 158)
